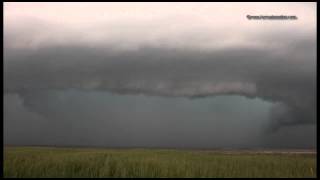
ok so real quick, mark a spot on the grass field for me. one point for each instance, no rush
(82, 162)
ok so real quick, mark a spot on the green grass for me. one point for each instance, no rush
(81, 162)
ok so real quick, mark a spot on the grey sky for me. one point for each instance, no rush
(177, 75)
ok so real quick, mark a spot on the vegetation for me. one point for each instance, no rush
(81, 162)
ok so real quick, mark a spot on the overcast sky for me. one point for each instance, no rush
(182, 75)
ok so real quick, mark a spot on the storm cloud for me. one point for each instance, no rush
(172, 55)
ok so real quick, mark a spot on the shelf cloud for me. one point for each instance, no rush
(179, 50)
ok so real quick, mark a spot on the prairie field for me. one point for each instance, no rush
(87, 162)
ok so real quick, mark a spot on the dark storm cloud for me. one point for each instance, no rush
(165, 72)
(50, 63)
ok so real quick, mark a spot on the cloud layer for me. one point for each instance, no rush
(165, 52)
